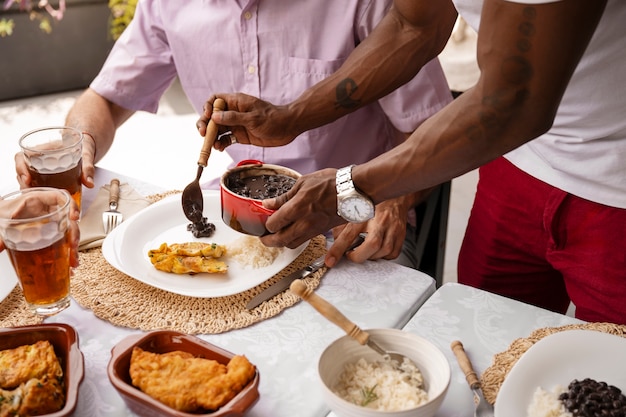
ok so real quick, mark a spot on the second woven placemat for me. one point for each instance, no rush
(124, 301)
(493, 377)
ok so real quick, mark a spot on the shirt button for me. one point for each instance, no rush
(251, 69)
(247, 15)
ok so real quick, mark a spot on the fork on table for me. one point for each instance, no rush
(112, 217)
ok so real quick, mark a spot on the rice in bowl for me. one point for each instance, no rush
(429, 359)
(382, 385)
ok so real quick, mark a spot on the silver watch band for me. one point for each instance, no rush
(344, 179)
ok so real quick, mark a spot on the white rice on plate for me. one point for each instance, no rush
(547, 403)
(249, 251)
(380, 386)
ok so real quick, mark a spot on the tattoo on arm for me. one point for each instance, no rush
(344, 91)
(517, 71)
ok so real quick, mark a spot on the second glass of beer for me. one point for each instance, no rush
(54, 158)
(35, 228)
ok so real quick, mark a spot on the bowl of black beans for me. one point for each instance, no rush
(243, 189)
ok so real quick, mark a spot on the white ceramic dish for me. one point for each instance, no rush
(8, 279)
(126, 249)
(429, 359)
(558, 359)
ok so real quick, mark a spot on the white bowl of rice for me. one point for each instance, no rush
(358, 382)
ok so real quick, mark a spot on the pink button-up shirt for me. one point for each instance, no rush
(272, 49)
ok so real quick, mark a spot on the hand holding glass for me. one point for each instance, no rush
(54, 158)
(35, 229)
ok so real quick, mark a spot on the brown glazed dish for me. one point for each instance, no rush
(162, 341)
(245, 214)
(64, 339)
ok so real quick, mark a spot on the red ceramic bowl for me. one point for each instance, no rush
(64, 339)
(163, 341)
(244, 214)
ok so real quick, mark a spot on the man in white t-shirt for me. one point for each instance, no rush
(545, 123)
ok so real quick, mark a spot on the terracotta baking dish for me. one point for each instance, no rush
(64, 339)
(162, 341)
(245, 214)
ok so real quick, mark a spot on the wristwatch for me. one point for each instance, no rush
(352, 205)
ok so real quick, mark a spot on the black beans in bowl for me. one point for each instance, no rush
(243, 189)
(259, 187)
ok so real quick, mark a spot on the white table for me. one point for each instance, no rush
(285, 348)
(486, 324)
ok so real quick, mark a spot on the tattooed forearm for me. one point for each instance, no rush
(344, 92)
(516, 71)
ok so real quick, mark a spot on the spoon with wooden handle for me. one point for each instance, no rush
(331, 312)
(192, 199)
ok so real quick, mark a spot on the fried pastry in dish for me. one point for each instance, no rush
(186, 383)
(31, 380)
(33, 398)
(22, 363)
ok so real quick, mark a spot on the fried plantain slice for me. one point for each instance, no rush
(188, 264)
(212, 250)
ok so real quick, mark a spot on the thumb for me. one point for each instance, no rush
(278, 201)
(272, 203)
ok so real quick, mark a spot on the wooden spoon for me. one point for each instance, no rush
(331, 312)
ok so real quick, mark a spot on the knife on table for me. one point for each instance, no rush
(285, 282)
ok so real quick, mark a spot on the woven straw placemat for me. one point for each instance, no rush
(14, 310)
(124, 301)
(494, 376)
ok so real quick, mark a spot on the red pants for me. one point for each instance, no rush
(535, 243)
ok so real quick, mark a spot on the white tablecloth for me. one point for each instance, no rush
(285, 348)
(485, 323)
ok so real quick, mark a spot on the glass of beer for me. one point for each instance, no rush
(35, 229)
(54, 158)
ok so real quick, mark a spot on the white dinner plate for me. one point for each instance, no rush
(8, 279)
(558, 359)
(126, 249)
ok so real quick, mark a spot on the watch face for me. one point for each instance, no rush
(356, 209)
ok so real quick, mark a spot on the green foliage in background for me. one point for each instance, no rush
(40, 12)
(122, 12)
(43, 13)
